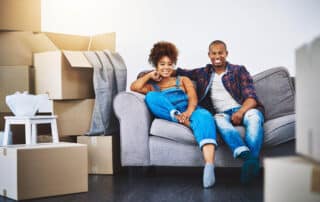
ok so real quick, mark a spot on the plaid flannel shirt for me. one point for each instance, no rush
(236, 80)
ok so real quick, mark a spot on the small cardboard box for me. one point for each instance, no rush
(307, 100)
(74, 116)
(20, 15)
(13, 79)
(100, 160)
(65, 73)
(43, 170)
(293, 179)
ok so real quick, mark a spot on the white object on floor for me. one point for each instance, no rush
(30, 123)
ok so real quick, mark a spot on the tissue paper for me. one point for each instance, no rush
(23, 104)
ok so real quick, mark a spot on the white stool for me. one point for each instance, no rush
(30, 127)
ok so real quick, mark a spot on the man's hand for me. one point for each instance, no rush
(237, 117)
(154, 75)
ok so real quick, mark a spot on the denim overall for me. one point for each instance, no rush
(165, 104)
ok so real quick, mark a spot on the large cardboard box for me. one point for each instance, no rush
(43, 170)
(17, 48)
(65, 73)
(100, 160)
(20, 15)
(293, 179)
(61, 69)
(13, 79)
(74, 116)
(307, 100)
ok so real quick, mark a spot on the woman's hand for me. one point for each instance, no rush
(184, 117)
(154, 75)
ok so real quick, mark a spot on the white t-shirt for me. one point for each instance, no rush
(221, 98)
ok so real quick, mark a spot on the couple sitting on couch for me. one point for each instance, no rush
(224, 90)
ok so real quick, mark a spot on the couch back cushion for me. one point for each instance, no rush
(275, 90)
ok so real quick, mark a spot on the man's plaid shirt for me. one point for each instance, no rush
(236, 80)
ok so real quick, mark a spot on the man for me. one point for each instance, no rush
(227, 91)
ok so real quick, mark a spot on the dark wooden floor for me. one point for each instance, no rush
(165, 184)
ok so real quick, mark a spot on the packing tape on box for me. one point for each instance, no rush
(94, 169)
(94, 141)
(315, 179)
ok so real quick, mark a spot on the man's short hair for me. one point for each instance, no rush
(218, 42)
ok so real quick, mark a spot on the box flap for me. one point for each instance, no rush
(17, 47)
(40, 42)
(77, 59)
(69, 42)
(103, 41)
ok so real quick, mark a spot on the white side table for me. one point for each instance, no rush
(30, 127)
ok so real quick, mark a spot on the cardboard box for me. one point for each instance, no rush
(307, 100)
(17, 48)
(65, 73)
(74, 116)
(43, 170)
(20, 15)
(13, 79)
(100, 160)
(291, 179)
(61, 69)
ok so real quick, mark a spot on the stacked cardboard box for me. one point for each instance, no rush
(64, 73)
(42, 170)
(49, 63)
(298, 178)
(307, 100)
(20, 15)
(100, 153)
(291, 179)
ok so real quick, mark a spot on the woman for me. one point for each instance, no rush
(174, 99)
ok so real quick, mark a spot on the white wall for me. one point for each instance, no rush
(259, 34)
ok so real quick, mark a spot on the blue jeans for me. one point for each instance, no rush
(253, 123)
(167, 103)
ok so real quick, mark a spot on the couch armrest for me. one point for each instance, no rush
(135, 121)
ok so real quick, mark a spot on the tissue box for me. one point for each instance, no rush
(13, 79)
(43, 170)
(293, 179)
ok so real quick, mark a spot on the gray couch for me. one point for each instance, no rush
(149, 141)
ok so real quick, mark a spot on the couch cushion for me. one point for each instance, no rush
(172, 131)
(279, 130)
(276, 92)
(276, 131)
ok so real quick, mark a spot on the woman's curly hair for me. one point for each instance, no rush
(162, 49)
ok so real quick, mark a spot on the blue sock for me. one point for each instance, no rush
(208, 175)
(249, 170)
